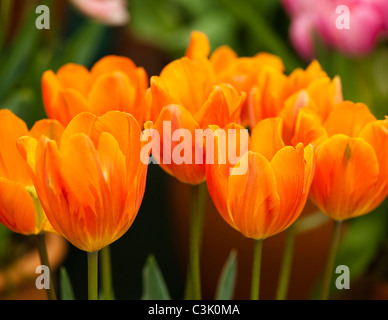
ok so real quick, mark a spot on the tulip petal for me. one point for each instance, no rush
(113, 92)
(82, 169)
(76, 215)
(221, 58)
(117, 123)
(253, 202)
(81, 123)
(218, 170)
(348, 118)
(267, 96)
(158, 97)
(292, 106)
(12, 165)
(189, 82)
(66, 104)
(113, 166)
(173, 122)
(28, 149)
(50, 88)
(376, 134)
(300, 79)
(267, 138)
(16, 207)
(222, 107)
(217, 184)
(293, 177)
(49, 128)
(199, 47)
(74, 76)
(27, 146)
(308, 128)
(126, 131)
(112, 63)
(326, 94)
(345, 177)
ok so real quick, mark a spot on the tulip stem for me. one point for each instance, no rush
(42, 249)
(285, 271)
(334, 244)
(256, 268)
(106, 273)
(197, 209)
(92, 275)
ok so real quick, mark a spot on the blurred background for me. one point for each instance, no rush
(153, 33)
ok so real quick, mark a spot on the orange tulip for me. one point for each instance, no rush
(277, 95)
(351, 177)
(91, 182)
(187, 96)
(240, 72)
(20, 209)
(271, 194)
(113, 83)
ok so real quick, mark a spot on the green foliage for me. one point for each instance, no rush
(227, 280)
(246, 26)
(33, 51)
(362, 240)
(65, 286)
(5, 237)
(154, 287)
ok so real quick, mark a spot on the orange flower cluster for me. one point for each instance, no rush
(85, 164)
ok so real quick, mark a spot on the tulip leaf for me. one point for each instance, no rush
(227, 280)
(66, 289)
(154, 286)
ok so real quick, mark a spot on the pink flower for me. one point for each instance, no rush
(109, 12)
(368, 19)
(382, 7)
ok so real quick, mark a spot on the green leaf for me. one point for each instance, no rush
(83, 46)
(66, 289)
(227, 280)
(154, 287)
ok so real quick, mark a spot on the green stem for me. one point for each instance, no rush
(42, 249)
(197, 209)
(334, 244)
(106, 273)
(285, 270)
(256, 268)
(92, 275)
(188, 286)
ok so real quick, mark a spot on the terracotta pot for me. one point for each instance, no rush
(219, 239)
(17, 280)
